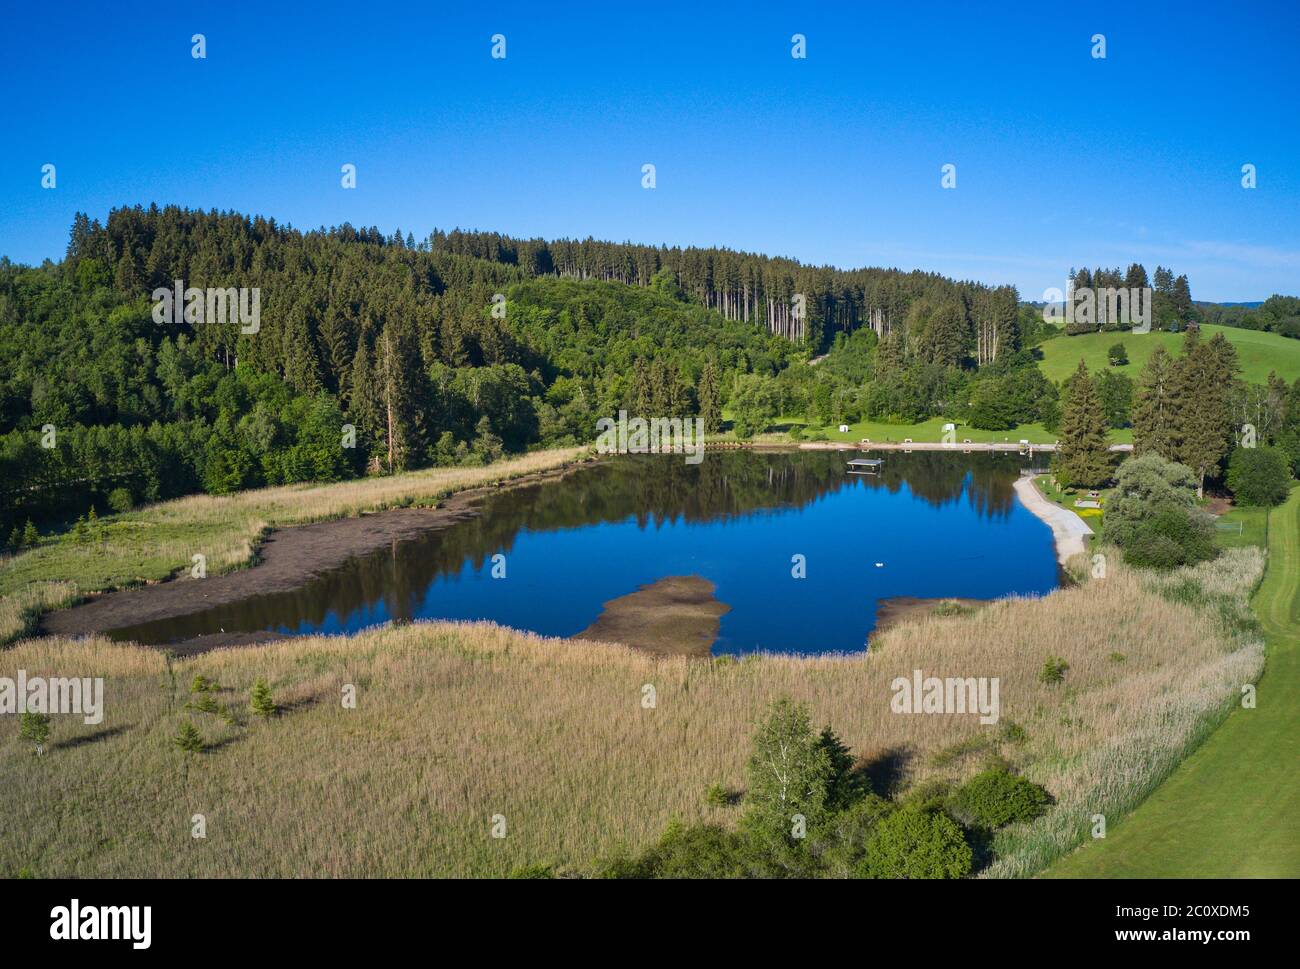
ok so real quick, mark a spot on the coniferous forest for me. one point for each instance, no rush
(404, 349)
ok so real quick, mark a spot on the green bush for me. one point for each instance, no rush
(120, 500)
(695, 851)
(1153, 517)
(840, 844)
(912, 843)
(535, 870)
(1259, 476)
(35, 727)
(1174, 537)
(997, 797)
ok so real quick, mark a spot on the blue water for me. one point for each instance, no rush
(939, 525)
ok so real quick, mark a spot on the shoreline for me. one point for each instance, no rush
(1001, 447)
(1068, 529)
(288, 558)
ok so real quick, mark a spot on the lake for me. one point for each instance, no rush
(926, 525)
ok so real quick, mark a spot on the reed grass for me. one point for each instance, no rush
(457, 723)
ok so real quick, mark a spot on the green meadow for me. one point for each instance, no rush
(1258, 353)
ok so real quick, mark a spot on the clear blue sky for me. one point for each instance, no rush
(1061, 159)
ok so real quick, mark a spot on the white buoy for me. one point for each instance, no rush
(880, 565)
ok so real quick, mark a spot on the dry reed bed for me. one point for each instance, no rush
(456, 723)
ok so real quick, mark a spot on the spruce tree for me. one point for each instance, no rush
(260, 700)
(642, 391)
(1154, 430)
(189, 739)
(1082, 455)
(709, 399)
(1204, 398)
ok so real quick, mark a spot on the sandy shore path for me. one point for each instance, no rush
(1068, 529)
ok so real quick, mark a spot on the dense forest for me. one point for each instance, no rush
(375, 353)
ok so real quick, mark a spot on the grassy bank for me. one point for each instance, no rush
(155, 542)
(1229, 811)
(457, 723)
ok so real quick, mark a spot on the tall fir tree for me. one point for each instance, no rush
(1154, 409)
(1082, 454)
(1205, 376)
(710, 400)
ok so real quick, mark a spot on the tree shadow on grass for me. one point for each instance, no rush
(87, 738)
(884, 773)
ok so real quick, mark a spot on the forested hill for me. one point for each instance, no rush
(108, 400)
(402, 341)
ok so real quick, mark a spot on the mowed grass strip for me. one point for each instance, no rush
(456, 723)
(1232, 810)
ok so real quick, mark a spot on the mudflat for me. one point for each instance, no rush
(287, 559)
(900, 609)
(675, 616)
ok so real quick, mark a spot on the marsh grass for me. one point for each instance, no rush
(456, 723)
(158, 541)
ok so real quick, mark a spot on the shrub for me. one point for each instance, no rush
(914, 843)
(1174, 537)
(35, 727)
(997, 797)
(261, 702)
(1118, 355)
(1153, 517)
(120, 500)
(695, 851)
(535, 870)
(840, 844)
(1053, 670)
(1259, 476)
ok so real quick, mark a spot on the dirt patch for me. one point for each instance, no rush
(1217, 505)
(288, 559)
(897, 609)
(676, 616)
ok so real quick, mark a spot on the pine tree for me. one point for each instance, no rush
(188, 738)
(1082, 455)
(260, 700)
(1154, 415)
(709, 399)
